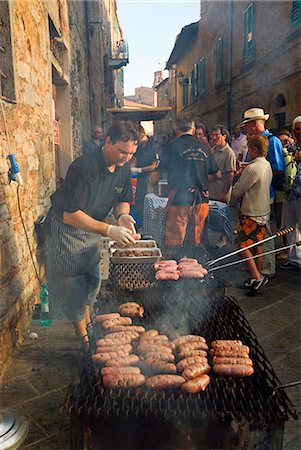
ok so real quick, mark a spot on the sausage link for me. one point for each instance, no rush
(192, 273)
(136, 328)
(168, 357)
(233, 370)
(131, 309)
(231, 353)
(195, 370)
(102, 317)
(188, 260)
(186, 362)
(147, 337)
(102, 358)
(123, 361)
(149, 333)
(165, 263)
(120, 370)
(223, 343)
(188, 353)
(193, 346)
(163, 274)
(144, 349)
(188, 338)
(157, 342)
(116, 322)
(123, 380)
(196, 385)
(124, 339)
(164, 381)
(228, 348)
(158, 366)
(241, 361)
(114, 348)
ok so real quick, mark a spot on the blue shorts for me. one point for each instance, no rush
(70, 295)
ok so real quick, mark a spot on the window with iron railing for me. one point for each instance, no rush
(7, 85)
(295, 12)
(219, 59)
(248, 34)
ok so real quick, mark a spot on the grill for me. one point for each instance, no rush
(230, 413)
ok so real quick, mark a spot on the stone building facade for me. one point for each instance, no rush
(57, 57)
(247, 54)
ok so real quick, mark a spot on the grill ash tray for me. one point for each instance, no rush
(132, 255)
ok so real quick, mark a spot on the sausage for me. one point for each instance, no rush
(191, 274)
(229, 360)
(102, 317)
(158, 338)
(137, 328)
(149, 333)
(131, 309)
(158, 366)
(165, 263)
(188, 338)
(223, 343)
(120, 370)
(164, 275)
(187, 353)
(233, 347)
(190, 360)
(164, 381)
(124, 339)
(195, 370)
(241, 352)
(233, 370)
(125, 333)
(196, 385)
(123, 380)
(188, 260)
(101, 357)
(123, 361)
(163, 356)
(193, 346)
(117, 321)
(159, 343)
(145, 349)
(114, 348)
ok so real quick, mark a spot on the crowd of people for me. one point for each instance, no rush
(256, 167)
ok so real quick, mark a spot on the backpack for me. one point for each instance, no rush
(290, 170)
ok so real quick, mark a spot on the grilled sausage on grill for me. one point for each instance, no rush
(149, 333)
(123, 380)
(186, 362)
(187, 353)
(143, 349)
(239, 352)
(196, 345)
(102, 358)
(114, 348)
(157, 342)
(224, 343)
(119, 328)
(164, 274)
(169, 357)
(188, 338)
(229, 360)
(118, 321)
(164, 381)
(126, 338)
(151, 336)
(102, 317)
(158, 366)
(196, 385)
(120, 370)
(131, 309)
(229, 348)
(123, 361)
(195, 370)
(233, 370)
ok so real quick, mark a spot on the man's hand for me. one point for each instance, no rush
(121, 235)
(127, 221)
(136, 169)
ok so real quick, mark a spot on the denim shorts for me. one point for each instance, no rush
(68, 296)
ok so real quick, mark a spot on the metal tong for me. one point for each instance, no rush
(283, 386)
(278, 233)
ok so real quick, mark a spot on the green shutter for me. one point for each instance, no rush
(202, 76)
(295, 12)
(248, 34)
(219, 58)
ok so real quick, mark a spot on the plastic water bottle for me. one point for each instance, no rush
(44, 299)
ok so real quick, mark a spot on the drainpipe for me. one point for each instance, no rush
(229, 81)
(91, 106)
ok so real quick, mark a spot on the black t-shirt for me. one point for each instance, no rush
(188, 162)
(145, 156)
(90, 187)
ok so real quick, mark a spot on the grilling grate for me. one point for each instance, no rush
(177, 312)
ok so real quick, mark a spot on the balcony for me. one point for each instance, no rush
(120, 56)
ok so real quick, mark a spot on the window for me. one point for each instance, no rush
(194, 81)
(295, 12)
(248, 37)
(202, 75)
(7, 85)
(185, 91)
(219, 59)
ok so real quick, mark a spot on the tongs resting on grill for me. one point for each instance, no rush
(279, 233)
(284, 386)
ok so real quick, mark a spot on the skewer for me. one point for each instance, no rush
(233, 263)
(278, 233)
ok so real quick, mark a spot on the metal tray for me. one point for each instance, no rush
(137, 259)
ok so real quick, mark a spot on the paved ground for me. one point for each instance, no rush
(37, 379)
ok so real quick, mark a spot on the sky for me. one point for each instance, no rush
(150, 27)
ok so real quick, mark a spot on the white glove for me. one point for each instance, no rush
(127, 221)
(121, 235)
(136, 169)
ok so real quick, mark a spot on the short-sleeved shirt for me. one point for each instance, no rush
(90, 187)
(226, 162)
(188, 163)
(145, 156)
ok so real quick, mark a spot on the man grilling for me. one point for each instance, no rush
(189, 164)
(96, 182)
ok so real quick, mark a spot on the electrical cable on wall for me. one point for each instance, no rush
(15, 175)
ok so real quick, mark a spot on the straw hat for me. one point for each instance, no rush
(254, 114)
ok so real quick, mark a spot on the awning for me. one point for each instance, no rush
(140, 114)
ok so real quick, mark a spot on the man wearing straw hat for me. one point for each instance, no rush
(254, 123)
